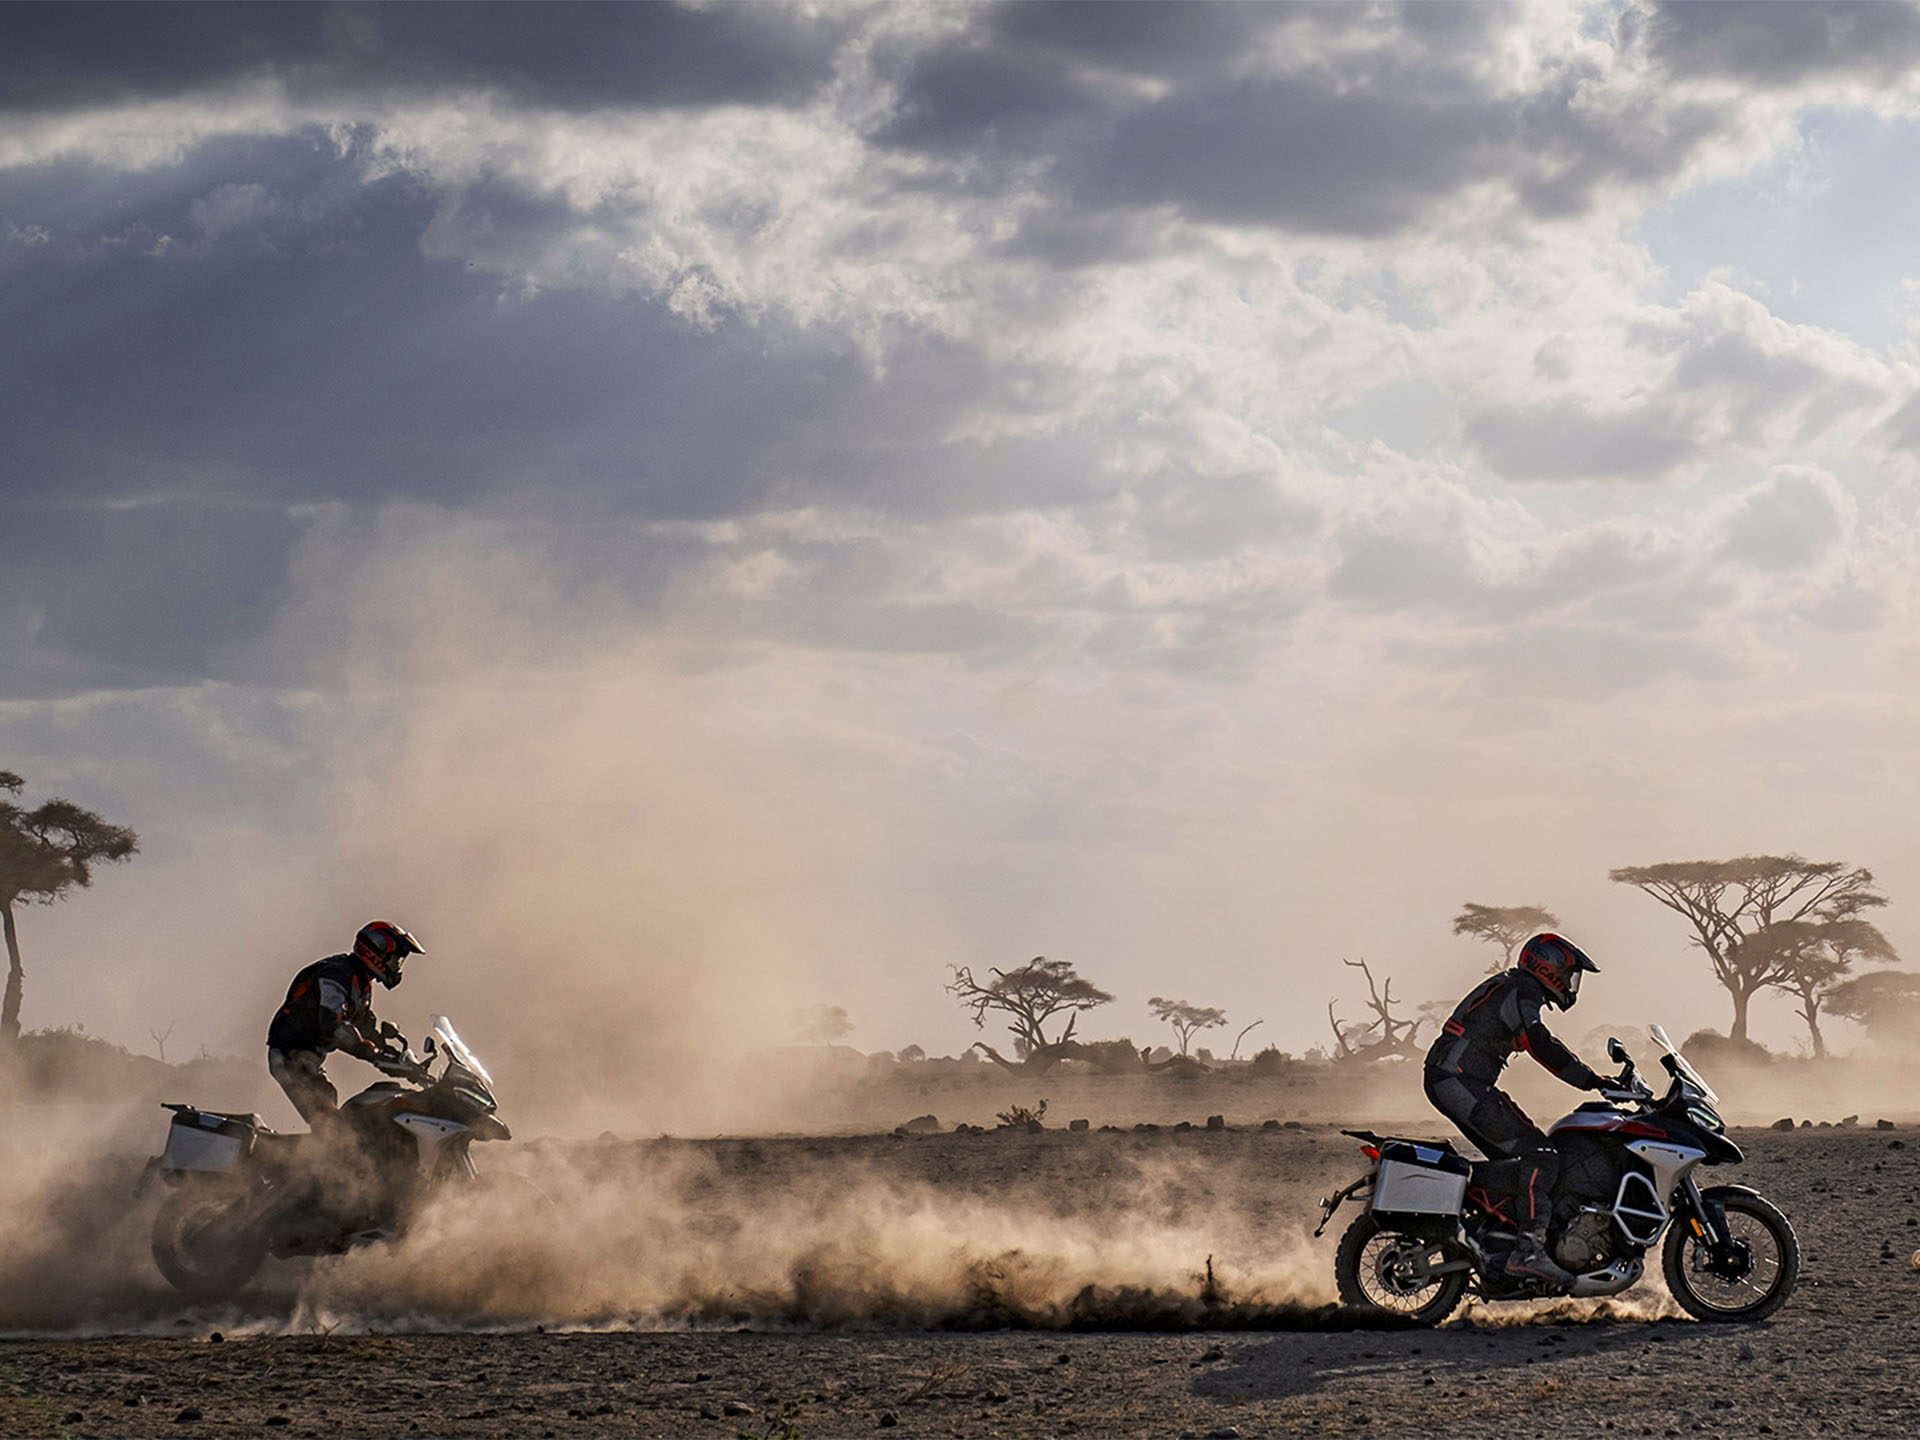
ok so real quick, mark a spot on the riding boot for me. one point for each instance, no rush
(1529, 1258)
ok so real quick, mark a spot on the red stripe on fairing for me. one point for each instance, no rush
(1639, 1129)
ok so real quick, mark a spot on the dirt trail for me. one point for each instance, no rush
(1839, 1357)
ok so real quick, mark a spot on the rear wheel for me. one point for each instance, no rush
(1748, 1281)
(205, 1243)
(1381, 1271)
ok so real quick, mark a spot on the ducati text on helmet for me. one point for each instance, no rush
(1556, 962)
(382, 948)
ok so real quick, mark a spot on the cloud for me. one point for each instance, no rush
(1563, 440)
(131, 596)
(231, 207)
(1783, 43)
(666, 54)
(1787, 523)
(1716, 375)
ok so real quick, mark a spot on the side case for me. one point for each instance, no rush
(1419, 1180)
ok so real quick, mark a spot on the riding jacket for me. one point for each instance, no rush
(1499, 1016)
(324, 996)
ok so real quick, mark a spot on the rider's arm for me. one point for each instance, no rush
(338, 1013)
(1541, 1043)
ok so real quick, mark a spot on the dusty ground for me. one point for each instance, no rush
(1004, 1350)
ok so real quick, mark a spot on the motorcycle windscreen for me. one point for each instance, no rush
(1680, 1063)
(451, 1042)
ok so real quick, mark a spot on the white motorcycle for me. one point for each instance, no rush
(1433, 1226)
(242, 1192)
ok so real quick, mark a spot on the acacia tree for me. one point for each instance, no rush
(1729, 902)
(1815, 955)
(1504, 925)
(1185, 1018)
(44, 853)
(1030, 996)
(1887, 1004)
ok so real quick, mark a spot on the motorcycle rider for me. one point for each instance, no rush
(329, 1006)
(1497, 1017)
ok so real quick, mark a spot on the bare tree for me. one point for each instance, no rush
(1185, 1018)
(160, 1041)
(44, 853)
(1728, 902)
(1380, 1037)
(1504, 925)
(1243, 1035)
(1030, 997)
(1813, 956)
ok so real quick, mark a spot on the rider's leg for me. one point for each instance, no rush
(1533, 1205)
(301, 1076)
(1490, 1119)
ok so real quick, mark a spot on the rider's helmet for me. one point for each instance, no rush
(382, 948)
(1556, 962)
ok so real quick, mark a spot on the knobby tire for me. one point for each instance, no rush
(1775, 1255)
(1357, 1271)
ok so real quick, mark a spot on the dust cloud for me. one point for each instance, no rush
(651, 1235)
(682, 1235)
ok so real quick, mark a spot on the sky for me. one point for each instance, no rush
(700, 511)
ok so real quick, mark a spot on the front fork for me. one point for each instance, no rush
(1726, 1256)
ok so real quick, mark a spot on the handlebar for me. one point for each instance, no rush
(406, 1065)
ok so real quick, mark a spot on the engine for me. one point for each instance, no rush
(1588, 1241)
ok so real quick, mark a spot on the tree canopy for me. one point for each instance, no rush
(1815, 955)
(1504, 925)
(1185, 1018)
(44, 853)
(1885, 1002)
(1029, 996)
(1729, 902)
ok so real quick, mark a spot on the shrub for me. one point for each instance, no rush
(1708, 1048)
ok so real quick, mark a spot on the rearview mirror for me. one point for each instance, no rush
(428, 1047)
(1616, 1052)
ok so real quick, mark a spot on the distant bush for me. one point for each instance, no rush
(1707, 1048)
(1273, 1061)
(1022, 1117)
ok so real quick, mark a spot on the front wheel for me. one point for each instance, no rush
(1748, 1281)
(1380, 1271)
(205, 1243)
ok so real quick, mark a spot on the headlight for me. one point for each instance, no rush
(1705, 1119)
(479, 1099)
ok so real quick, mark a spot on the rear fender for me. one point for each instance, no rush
(1340, 1197)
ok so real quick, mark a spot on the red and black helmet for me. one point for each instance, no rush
(382, 947)
(1556, 962)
